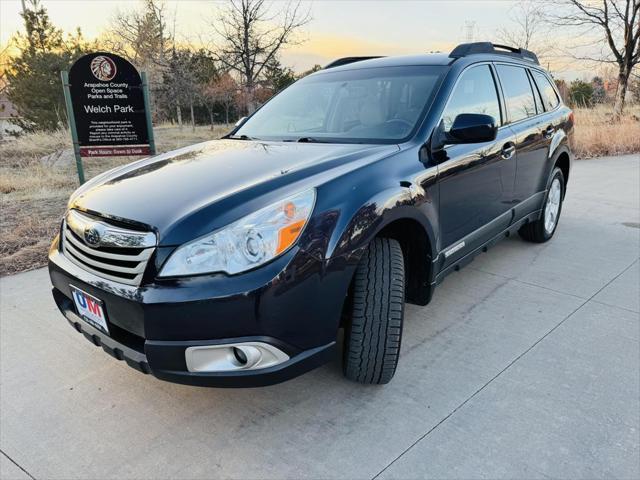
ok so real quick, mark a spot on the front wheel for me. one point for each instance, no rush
(374, 327)
(543, 229)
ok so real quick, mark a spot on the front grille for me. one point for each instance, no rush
(116, 253)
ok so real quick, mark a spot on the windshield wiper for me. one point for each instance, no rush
(241, 137)
(310, 140)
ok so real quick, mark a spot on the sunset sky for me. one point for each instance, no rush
(338, 28)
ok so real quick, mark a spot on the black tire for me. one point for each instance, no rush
(536, 231)
(374, 328)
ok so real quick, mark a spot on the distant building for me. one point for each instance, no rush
(7, 110)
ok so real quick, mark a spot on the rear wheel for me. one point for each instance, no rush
(543, 229)
(374, 326)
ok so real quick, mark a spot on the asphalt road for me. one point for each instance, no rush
(526, 364)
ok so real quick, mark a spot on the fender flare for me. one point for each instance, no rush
(558, 143)
(353, 232)
(351, 237)
(559, 146)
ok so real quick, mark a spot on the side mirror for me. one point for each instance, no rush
(240, 122)
(472, 128)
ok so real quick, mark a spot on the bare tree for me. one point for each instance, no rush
(527, 22)
(142, 35)
(527, 28)
(617, 22)
(252, 35)
(222, 90)
(179, 83)
(5, 62)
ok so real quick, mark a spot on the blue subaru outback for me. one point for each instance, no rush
(237, 262)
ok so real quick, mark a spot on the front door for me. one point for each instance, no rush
(476, 180)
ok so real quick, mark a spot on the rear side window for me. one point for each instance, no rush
(474, 93)
(549, 95)
(536, 95)
(517, 92)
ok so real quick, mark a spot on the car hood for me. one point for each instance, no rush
(192, 191)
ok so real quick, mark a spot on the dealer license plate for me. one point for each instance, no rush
(90, 309)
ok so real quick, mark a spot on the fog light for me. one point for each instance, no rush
(247, 356)
(240, 356)
(229, 357)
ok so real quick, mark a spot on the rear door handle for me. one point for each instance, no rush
(549, 131)
(508, 149)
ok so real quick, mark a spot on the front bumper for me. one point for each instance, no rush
(169, 363)
(151, 326)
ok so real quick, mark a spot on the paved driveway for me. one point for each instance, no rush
(526, 364)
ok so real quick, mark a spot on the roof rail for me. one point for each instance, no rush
(347, 60)
(465, 49)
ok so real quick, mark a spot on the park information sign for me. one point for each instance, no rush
(107, 106)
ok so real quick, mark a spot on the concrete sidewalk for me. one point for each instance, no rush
(526, 364)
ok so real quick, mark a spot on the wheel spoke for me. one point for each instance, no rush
(552, 206)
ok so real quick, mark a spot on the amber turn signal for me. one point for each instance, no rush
(288, 235)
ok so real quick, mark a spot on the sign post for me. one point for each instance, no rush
(147, 109)
(108, 108)
(72, 125)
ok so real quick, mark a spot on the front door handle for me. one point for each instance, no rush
(508, 149)
(549, 131)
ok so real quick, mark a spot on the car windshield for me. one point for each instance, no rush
(370, 105)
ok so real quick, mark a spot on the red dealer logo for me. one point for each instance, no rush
(103, 68)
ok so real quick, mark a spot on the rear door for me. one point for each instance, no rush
(476, 180)
(549, 120)
(525, 117)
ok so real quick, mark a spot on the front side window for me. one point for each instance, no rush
(549, 95)
(475, 92)
(517, 91)
(369, 105)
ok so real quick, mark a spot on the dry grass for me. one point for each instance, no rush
(596, 134)
(34, 196)
(26, 150)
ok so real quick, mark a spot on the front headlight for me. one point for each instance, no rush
(247, 243)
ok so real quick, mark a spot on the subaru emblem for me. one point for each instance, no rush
(92, 235)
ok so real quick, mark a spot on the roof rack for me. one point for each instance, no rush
(465, 49)
(347, 60)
